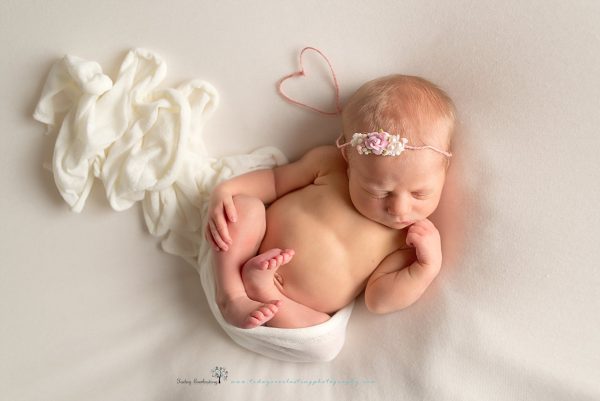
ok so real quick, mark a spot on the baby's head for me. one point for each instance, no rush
(398, 190)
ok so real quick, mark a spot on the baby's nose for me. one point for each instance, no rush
(398, 207)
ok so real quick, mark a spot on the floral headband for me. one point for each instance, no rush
(383, 144)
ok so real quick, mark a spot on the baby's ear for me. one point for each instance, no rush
(344, 154)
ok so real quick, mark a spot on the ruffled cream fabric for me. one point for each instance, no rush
(144, 144)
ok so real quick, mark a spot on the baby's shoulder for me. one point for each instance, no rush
(327, 156)
(324, 151)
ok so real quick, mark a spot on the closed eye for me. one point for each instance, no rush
(421, 195)
(377, 194)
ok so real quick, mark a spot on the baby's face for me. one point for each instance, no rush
(396, 191)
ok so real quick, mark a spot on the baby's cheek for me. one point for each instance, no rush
(363, 205)
(430, 208)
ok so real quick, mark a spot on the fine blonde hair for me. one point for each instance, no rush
(406, 105)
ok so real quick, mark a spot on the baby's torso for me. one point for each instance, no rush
(336, 248)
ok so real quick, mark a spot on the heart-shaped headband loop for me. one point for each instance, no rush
(300, 73)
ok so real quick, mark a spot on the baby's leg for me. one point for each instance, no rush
(246, 234)
(258, 277)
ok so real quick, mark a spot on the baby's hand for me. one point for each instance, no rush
(221, 209)
(425, 237)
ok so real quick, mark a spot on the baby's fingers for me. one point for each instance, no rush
(230, 210)
(414, 229)
(410, 241)
(209, 238)
(414, 238)
(220, 224)
(217, 236)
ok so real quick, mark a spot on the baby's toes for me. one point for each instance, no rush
(253, 320)
(264, 313)
(287, 255)
(259, 315)
(273, 307)
(267, 311)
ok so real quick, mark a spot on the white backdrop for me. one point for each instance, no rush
(93, 309)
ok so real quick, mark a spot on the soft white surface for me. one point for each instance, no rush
(92, 309)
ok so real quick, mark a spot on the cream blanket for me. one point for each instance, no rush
(144, 144)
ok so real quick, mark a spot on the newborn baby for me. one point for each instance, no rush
(341, 220)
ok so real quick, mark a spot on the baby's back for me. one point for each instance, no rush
(336, 247)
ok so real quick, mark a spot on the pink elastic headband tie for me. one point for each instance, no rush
(301, 73)
(383, 144)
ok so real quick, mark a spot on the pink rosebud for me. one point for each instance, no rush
(376, 142)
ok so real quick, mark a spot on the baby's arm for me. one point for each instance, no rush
(397, 283)
(266, 185)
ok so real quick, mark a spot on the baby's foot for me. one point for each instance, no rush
(247, 314)
(269, 260)
(257, 273)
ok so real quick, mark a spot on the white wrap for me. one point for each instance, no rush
(144, 144)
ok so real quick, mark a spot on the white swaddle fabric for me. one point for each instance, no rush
(144, 144)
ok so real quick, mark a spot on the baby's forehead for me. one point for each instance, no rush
(408, 161)
(410, 168)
